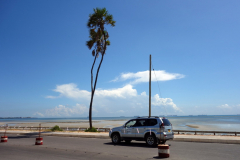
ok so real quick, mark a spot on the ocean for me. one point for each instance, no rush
(207, 123)
(198, 123)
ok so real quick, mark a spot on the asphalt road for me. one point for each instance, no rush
(23, 147)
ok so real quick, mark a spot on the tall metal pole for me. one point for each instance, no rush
(39, 130)
(150, 87)
(6, 127)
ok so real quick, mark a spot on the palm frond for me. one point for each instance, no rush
(98, 34)
(93, 52)
(89, 44)
(108, 42)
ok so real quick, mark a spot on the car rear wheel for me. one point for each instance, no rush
(115, 138)
(151, 140)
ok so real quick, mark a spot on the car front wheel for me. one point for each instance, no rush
(115, 138)
(151, 140)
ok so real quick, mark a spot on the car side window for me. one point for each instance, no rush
(145, 123)
(140, 122)
(152, 122)
(130, 123)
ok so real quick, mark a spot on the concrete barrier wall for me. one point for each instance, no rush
(48, 128)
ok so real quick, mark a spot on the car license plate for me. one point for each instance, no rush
(169, 130)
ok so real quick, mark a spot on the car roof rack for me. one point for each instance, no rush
(149, 117)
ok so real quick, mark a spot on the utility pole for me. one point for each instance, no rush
(150, 86)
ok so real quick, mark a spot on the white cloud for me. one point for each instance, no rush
(225, 106)
(113, 102)
(166, 102)
(121, 111)
(38, 114)
(227, 109)
(63, 111)
(143, 76)
(126, 91)
(51, 97)
(71, 91)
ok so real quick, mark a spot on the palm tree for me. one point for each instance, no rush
(98, 43)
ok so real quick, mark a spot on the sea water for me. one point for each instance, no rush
(204, 122)
(207, 123)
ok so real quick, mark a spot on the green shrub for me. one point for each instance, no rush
(56, 128)
(91, 130)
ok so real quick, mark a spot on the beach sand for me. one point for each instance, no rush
(77, 124)
(106, 124)
(178, 124)
(204, 127)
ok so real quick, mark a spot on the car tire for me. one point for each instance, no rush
(151, 140)
(116, 138)
(128, 141)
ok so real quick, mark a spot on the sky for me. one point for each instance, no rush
(45, 64)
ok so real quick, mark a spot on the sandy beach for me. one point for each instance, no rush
(208, 123)
(77, 124)
(108, 124)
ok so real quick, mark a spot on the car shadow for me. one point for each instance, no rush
(19, 137)
(132, 144)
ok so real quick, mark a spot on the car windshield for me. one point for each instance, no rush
(166, 122)
(130, 123)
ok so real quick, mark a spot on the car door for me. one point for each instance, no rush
(129, 130)
(140, 128)
(152, 125)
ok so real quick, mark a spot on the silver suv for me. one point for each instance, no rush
(153, 130)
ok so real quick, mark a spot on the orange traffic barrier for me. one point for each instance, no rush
(4, 138)
(163, 151)
(39, 141)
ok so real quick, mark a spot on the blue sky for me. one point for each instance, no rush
(45, 64)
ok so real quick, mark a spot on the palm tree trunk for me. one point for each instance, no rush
(95, 83)
(90, 107)
(93, 91)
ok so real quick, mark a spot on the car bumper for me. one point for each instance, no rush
(110, 134)
(163, 135)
